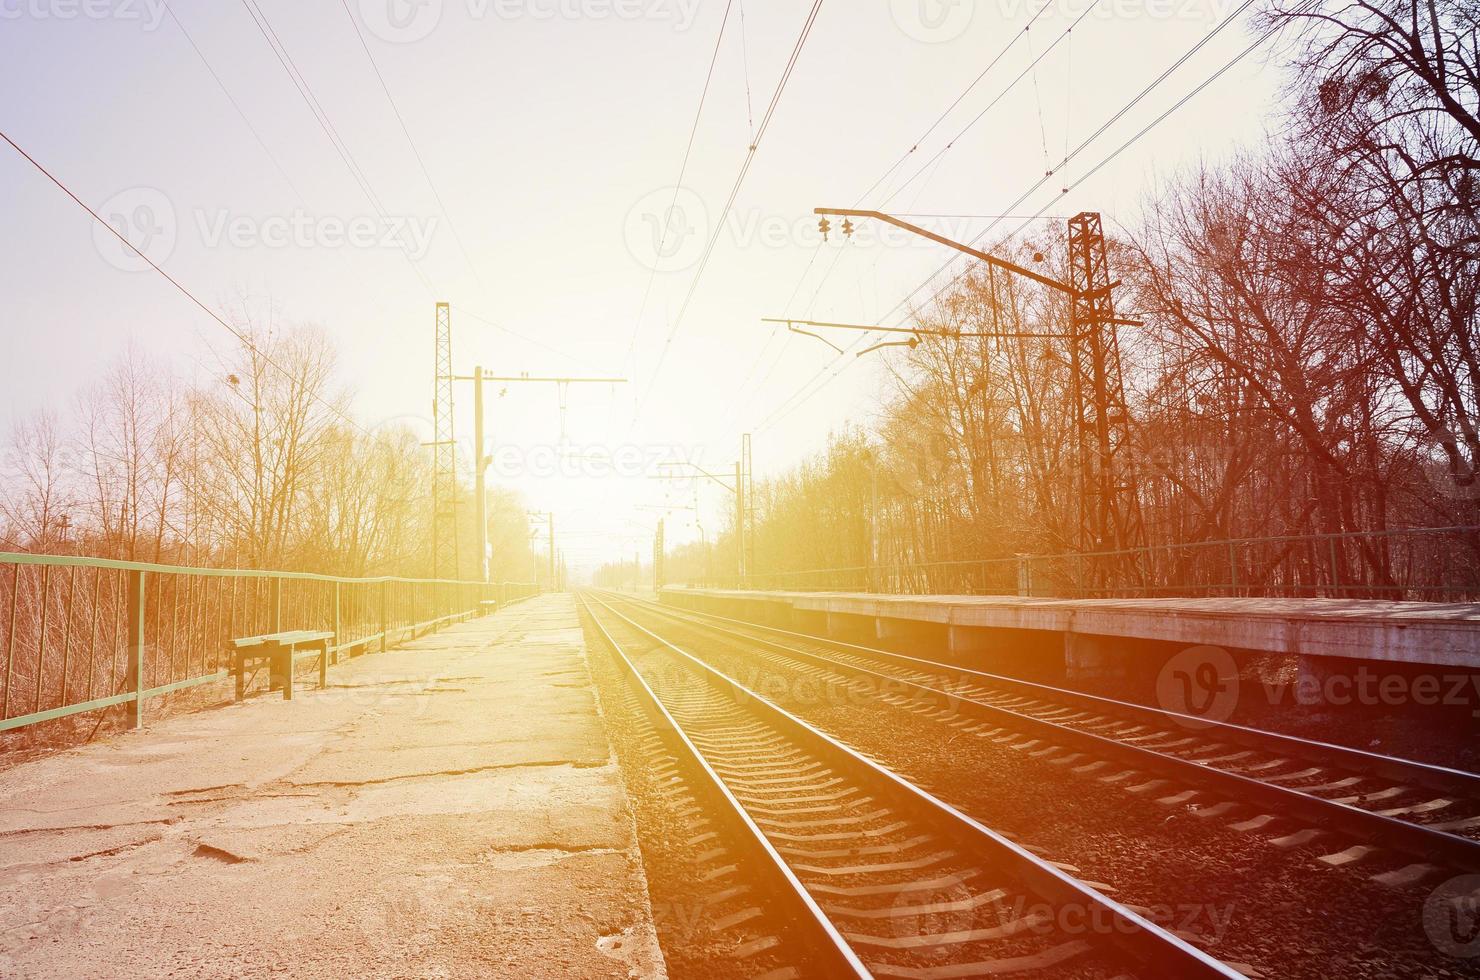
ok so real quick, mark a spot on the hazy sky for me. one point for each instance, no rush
(553, 131)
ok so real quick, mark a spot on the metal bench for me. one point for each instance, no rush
(489, 606)
(279, 650)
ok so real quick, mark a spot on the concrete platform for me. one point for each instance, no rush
(1355, 629)
(447, 809)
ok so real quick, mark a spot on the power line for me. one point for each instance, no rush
(745, 66)
(412, 143)
(936, 160)
(792, 403)
(1116, 117)
(719, 226)
(245, 339)
(1026, 72)
(678, 184)
(956, 102)
(1154, 123)
(526, 338)
(316, 108)
(234, 104)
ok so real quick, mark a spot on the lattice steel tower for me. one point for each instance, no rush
(1109, 512)
(444, 455)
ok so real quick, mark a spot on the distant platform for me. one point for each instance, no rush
(449, 808)
(1357, 629)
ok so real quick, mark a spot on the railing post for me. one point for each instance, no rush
(336, 640)
(275, 625)
(385, 621)
(134, 678)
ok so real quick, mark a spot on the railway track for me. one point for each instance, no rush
(891, 880)
(1249, 777)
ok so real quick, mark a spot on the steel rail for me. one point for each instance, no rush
(1141, 938)
(844, 961)
(1412, 838)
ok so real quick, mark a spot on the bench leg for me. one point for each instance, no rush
(324, 667)
(241, 677)
(287, 661)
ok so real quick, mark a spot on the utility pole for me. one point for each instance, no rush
(747, 485)
(1110, 513)
(480, 474)
(658, 558)
(1109, 510)
(742, 489)
(482, 457)
(740, 521)
(873, 524)
(444, 455)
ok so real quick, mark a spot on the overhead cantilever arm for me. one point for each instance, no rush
(912, 343)
(987, 257)
(815, 336)
(698, 469)
(917, 331)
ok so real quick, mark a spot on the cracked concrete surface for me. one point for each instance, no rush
(448, 809)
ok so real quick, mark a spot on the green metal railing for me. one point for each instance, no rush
(84, 634)
(1429, 563)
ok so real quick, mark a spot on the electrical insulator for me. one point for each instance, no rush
(824, 227)
(847, 228)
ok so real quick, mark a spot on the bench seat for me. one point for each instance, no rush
(279, 650)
